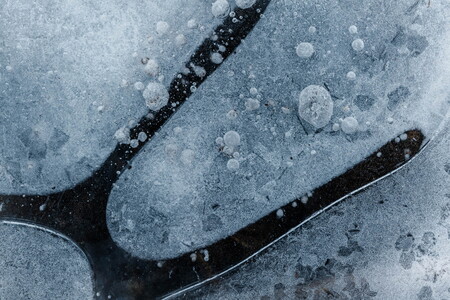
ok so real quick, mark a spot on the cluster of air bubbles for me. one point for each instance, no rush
(122, 135)
(228, 145)
(205, 253)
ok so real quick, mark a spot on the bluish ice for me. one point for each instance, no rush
(68, 74)
(187, 190)
(36, 264)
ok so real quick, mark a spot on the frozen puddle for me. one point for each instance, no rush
(383, 65)
(36, 264)
(72, 74)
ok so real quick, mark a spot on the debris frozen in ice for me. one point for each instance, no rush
(349, 125)
(156, 96)
(245, 3)
(312, 29)
(315, 106)
(358, 45)
(304, 50)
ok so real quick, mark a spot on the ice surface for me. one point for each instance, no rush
(180, 201)
(391, 241)
(37, 265)
(67, 75)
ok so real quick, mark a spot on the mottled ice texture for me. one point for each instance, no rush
(38, 265)
(402, 77)
(67, 74)
(391, 241)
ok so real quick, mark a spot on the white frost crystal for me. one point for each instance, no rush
(192, 23)
(162, 27)
(304, 50)
(156, 96)
(220, 8)
(349, 125)
(180, 40)
(139, 86)
(315, 106)
(187, 157)
(233, 164)
(152, 67)
(351, 75)
(353, 29)
(358, 45)
(232, 139)
(245, 3)
(252, 104)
